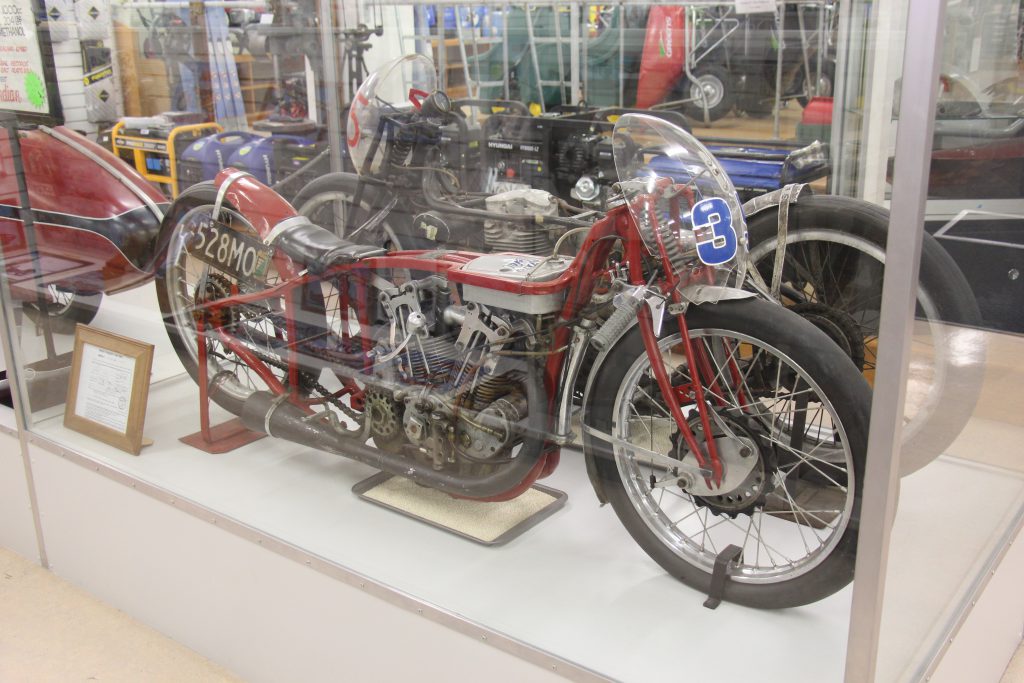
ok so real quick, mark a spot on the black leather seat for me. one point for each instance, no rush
(318, 249)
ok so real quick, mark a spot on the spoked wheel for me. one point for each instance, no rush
(328, 202)
(790, 418)
(826, 83)
(188, 283)
(710, 92)
(65, 309)
(833, 273)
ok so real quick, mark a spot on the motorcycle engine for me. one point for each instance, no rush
(444, 398)
(506, 236)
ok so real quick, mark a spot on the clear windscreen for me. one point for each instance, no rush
(680, 197)
(390, 90)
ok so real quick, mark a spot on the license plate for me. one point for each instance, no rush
(239, 255)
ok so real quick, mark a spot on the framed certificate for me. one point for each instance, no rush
(109, 388)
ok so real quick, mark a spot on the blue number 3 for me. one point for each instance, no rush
(712, 228)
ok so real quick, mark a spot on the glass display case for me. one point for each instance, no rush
(597, 310)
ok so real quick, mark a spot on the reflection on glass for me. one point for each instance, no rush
(967, 484)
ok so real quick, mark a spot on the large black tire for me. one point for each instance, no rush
(718, 89)
(325, 200)
(754, 96)
(177, 302)
(850, 235)
(831, 566)
(67, 310)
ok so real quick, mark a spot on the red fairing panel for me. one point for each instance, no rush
(61, 178)
(93, 232)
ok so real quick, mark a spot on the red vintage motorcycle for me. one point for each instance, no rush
(717, 424)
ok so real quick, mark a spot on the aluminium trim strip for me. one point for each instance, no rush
(903, 260)
(931, 662)
(10, 331)
(393, 596)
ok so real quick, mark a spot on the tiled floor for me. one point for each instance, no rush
(52, 631)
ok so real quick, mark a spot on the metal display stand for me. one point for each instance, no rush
(461, 525)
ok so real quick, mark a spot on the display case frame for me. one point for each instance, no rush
(902, 257)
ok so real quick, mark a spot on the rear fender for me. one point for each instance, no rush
(773, 199)
(261, 206)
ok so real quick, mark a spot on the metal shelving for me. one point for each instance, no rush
(709, 24)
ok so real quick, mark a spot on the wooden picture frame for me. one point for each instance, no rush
(109, 388)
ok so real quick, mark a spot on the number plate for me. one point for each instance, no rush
(237, 254)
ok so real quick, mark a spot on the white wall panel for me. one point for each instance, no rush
(263, 616)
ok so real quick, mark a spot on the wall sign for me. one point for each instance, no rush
(22, 80)
(754, 6)
(109, 388)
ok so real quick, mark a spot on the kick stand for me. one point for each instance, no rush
(227, 436)
(732, 553)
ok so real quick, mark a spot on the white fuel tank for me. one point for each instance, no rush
(518, 268)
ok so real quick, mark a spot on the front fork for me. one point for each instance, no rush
(710, 460)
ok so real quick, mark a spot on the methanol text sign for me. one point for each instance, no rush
(22, 87)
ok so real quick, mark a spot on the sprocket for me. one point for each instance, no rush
(838, 325)
(385, 415)
(750, 493)
(214, 288)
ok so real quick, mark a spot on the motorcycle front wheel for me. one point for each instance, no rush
(790, 422)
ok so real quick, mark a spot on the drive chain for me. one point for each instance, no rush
(315, 386)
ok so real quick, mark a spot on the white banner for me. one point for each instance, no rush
(22, 84)
(753, 6)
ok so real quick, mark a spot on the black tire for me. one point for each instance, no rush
(827, 569)
(313, 201)
(826, 83)
(718, 89)
(944, 295)
(177, 302)
(67, 310)
(754, 97)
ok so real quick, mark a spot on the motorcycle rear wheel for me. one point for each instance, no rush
(796, 511)
(835, 257)
(181, 286)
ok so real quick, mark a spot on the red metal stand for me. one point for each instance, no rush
(221, 438)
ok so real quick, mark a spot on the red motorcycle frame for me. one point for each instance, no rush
(264, 210)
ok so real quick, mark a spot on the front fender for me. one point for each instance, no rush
(591, 445)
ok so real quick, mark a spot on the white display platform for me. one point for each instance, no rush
(576, 587)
